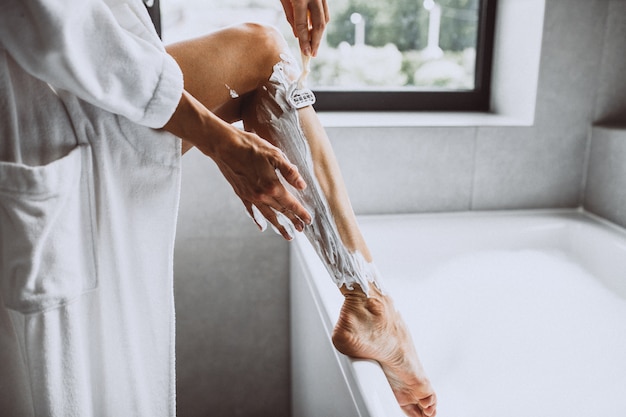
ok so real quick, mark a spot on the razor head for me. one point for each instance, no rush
(301, 97)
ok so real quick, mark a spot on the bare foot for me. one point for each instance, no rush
(371, 328)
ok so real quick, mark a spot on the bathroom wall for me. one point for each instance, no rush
(605, 191)
(231, 281)
(484, 168)
(231, 304)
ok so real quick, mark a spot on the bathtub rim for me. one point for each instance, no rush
(367, 376)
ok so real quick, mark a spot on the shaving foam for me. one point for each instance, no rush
(233, 94)
(281, 118)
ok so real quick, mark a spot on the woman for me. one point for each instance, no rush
(93, 106)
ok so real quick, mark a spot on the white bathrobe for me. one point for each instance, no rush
(88, 202)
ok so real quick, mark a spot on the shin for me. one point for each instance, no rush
(281, 121)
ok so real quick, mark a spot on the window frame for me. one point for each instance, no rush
(154, 11)
(477, 99)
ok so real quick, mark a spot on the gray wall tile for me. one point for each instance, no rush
(606, 181)
(231, 289)
(611, 98)
(400, 170)
(527, 168)
(572, 48)
(605, 191)
(209, 207)
(543, 166)
(232, 322)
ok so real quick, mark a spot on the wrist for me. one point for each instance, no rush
(197, 125)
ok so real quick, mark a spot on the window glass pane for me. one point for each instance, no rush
(370, 45)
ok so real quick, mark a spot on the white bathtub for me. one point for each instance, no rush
(512, 313)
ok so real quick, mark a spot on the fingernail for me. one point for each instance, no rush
(301, 184)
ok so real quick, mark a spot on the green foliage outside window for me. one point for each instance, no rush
(393, 54)
(396, 38)
(405, 23)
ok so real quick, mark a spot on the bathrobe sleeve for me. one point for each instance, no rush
(107, 55)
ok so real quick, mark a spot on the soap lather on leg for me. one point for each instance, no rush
(369, 327)
(253, 61)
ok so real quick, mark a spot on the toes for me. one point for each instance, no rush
(429, 405)
(430, 411)
(426, 407)
(415, 410)
(412, 410)
(429, 401)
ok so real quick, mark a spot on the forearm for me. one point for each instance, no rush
(196, 125)
(248, 162)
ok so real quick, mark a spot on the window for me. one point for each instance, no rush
(377, 54)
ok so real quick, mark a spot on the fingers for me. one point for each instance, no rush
(286, 201)
(319, 18)
(281, 224)
(290, 173)
(262, 177)
(309, 22)
(255, 215)
(292, 209)
(301, 26)
(283, 221)
(273, 202)
(282, 209)
(288, 8)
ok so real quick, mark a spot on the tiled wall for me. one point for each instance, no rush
(611, 94)
(231, 304)
(231, 281)
(606, 182)
(433, 169)
(605, 191)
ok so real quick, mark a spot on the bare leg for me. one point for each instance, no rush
(369, 327)
(225, 62)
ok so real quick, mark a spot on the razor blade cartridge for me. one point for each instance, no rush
(301, 97)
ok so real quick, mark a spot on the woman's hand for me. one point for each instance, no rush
(249, 162)
(308, 19)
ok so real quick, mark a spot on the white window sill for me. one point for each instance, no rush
(417, 119)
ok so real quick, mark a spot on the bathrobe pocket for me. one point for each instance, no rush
(46, 232)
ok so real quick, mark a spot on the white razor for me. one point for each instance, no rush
(299, 95)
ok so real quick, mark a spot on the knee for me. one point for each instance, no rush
(265, 40)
